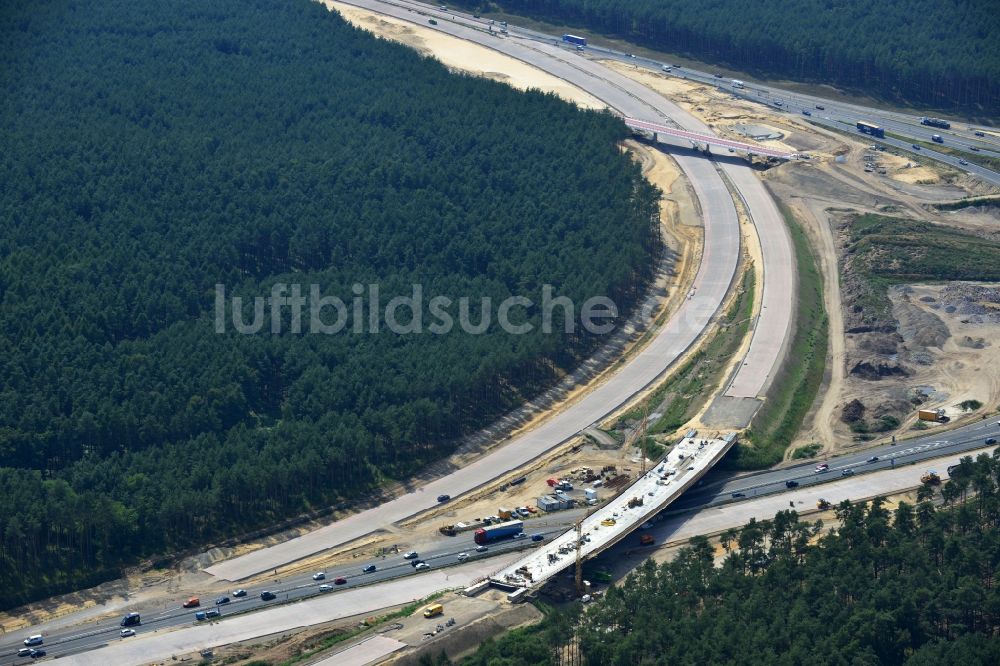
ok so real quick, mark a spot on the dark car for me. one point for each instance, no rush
(340, 581)
(974, 149)
(369, 569)
(444, 498)
(267, 596)
(738, 495)
(873, 459)
(414, 563)
(979, 133)
(37, 653)
(914, 146)
(821, 107)
(717, 75)
(537, 537)
(806, 112)
(991, 440)
(847, 472)
(791, 484)
(221, 600)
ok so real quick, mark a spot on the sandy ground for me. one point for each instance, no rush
(462, 55)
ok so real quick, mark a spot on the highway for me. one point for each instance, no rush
(711, 284)
(834, 114)
(718, 491)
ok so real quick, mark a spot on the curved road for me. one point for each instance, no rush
(712, 282)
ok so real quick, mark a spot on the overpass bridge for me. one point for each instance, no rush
(707, 139)
(680, 469)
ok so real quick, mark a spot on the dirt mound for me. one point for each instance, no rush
(876, 369)
(920, 329)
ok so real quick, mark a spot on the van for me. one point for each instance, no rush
(130, 620)
(433, 610)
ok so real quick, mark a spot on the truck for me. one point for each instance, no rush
(737, 84)
(573, 39)
(935, 415)
(486, 535)
(452, 530)
(935, 122)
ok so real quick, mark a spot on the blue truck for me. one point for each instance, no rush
(573, 39)
(493, 533)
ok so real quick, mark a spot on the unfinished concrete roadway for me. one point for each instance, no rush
(715, 275)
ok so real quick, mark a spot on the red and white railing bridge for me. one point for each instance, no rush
(708, 139)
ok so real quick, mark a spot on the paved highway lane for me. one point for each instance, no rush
(715, 274)
(719, 487)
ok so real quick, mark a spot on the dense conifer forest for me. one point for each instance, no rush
(939, 53)
(152, 150)
(910, 584)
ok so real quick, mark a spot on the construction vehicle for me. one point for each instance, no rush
(452, 530)
(930, 478)
(823, 504)
(646, 540)
(935, 415)
(506, 514)
(634, 502)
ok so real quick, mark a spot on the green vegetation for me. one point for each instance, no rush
(882, 251)
(795, 385)
(969, 405)
(988, 201)
(942, 54)
(155, 150)
(686, 392)
(807, 451)
(913, 586)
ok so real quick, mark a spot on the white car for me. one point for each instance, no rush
(412, 555)
(463, 557)
(422, 565)
(325, 588)
(319, 576)
(125, 633)
(482, 549)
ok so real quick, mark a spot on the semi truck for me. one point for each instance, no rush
(935, 122)
(573, 39)
(869, 128)
(935, 415)
(493, 533)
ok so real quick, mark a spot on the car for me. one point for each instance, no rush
(239, 593)
(444, 498)
(193, 602)
(732, 150)
(267, 596)
(791, 484)
(974, 149)
(412, 555)
(37, 653)
(806, 112)
(463, 557)
(371, 568)
(432, 22)
(414, 563)
(537, 537)
(221, 600)
(847, 472)
(24, 652)
(482, 549)
(822, 467)
(339, 580)
(991, 440)
(214, 612)
(821, 107)
(320, 575)
(718, 75)
(631, 55)
(690, 468)
(778, 102)
(325, 588)
(520, 535)
(423, 565)
(738, 495)
(873, 459)
(200, 616)
(914, 146)
(979, 133)
(962, 162)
